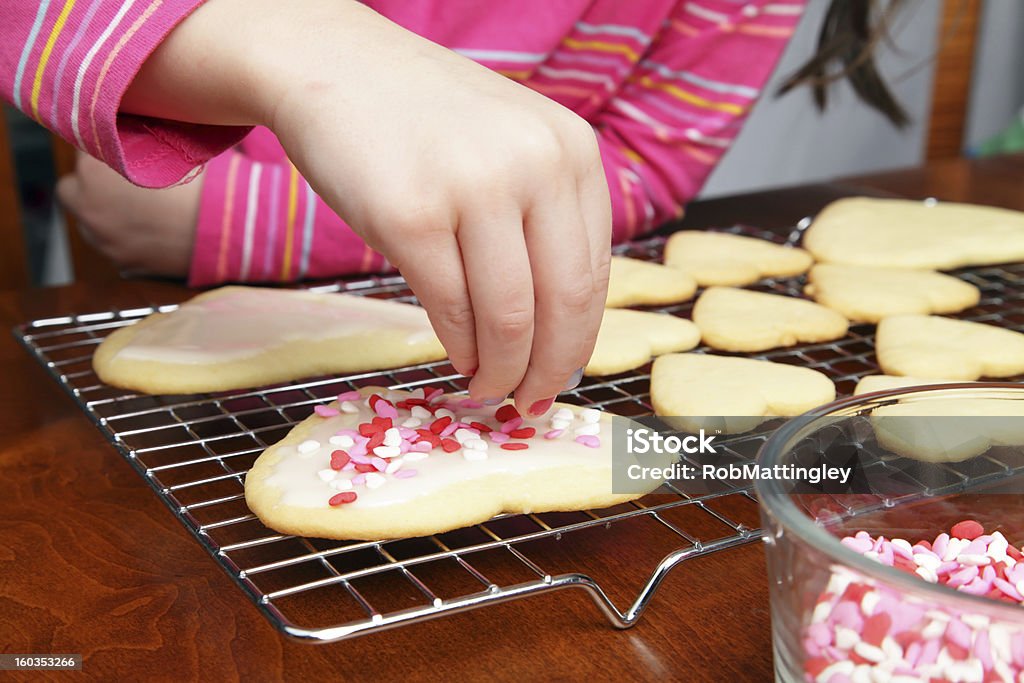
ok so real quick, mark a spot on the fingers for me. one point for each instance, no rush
(494, 254)
(566, 298)
(432, 265)
(595, 209)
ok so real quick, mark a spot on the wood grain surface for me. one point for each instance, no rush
(92, 562)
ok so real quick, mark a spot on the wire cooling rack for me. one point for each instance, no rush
(194, 451)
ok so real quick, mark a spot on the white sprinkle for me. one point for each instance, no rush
(903, 544)
(348, 407)
(1000, 636)
(342, 441)
(392, 437)
(387, 451)
(394, 465)
(412, 422)
(978, 622)
(557, 423)
(374, 480)
(869, 602)
(420, 412)
(933, 630)
(462, 435)
(821, 612)
(340, 484)
(862, 674)
(927, 574)
(413, 456)
(444, 412)
(308, 446)
(844, 668)
(563, 414)
(476, 444)
(846, 638)
(972, 560)
(927, 560)
(590, 415)
(327, 474)
(591, 429)
(473, 454)
(891, 648)
(867, 651)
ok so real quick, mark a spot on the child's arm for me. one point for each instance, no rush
(506, 245)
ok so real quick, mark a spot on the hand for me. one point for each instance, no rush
(142, 231)
(489, 198)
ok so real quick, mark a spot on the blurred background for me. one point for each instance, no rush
(954, 64)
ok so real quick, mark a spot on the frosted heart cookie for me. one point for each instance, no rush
(872, 383)
(901, 233)
(376, 464)
(868, 294)
(639, 283)
(930, 346)
(740, 392)
(718, 258)
(237, 337)
(628, 339)
(741, 320)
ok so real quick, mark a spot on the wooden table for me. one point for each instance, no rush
(91, 562)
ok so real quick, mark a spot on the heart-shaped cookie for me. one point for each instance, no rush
(903, 233)
(628, 339)
(640, 283)
(868, 294)
(718, 258)
(932, 346)
(700, 386)
(872, 383)
(741, 320)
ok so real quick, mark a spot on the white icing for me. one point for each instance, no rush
(297, 479)
(249, 320)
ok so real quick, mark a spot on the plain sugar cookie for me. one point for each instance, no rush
(931, 346)
(640, 283)
(240, 337)
(628, 339)
(744, 321)
(867, 294)
(377, 464)
(901, 233)
(700, 386)
(718, 258)
(872, 383)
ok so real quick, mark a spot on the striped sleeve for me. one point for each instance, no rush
(684, 104)
(68, 63)
(260, 221)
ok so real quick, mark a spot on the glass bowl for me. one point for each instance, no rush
(920, 460)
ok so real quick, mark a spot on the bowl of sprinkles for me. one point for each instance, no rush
(908, 564)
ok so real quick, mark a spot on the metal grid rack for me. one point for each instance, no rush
(194, 452)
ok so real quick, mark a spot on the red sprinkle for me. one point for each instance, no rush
(376, 439)
(524, 433)
(365, 467)
(429, 436)
(372, 401)
(450, 445)
(480, 426)
(339, 459)
(515, 446)
(438, 425)
(967, 529)
(382, 423)
(506, 412)
(367, 429)
(342, 498)
(876, 627)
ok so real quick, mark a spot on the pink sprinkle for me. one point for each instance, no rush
(421, 447)
(349, 466)
(433, 394)
(348, 396)
(449, 430)
(857, 544)
(326, 411)
(380, 463)
(359, 480)
(512, 425)
(406, 474)
(554, 433)
(498, 437)
(385, 409)
(404, 447)
(409, 434)
(589, 440)
(360, 458)
(470, 404)
(1008, 589)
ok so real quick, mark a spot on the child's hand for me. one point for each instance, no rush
(489, 197)
(142, 231)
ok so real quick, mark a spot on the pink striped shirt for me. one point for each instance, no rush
(665, 83)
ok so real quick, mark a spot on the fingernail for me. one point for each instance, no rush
(541, 407)
(495, 401)
(574, 380)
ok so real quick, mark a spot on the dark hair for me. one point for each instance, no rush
(851, 31)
